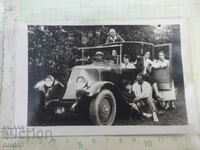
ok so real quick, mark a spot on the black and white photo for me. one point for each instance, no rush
(112, 75)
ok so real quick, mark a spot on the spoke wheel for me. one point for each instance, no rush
(103, 108)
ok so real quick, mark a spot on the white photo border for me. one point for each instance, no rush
(21, 84)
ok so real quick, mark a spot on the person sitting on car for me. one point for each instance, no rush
(147, 73)
(143, 93)
(115, 57)
(127, 63)
(113, 37)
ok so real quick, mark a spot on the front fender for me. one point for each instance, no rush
(95, 88)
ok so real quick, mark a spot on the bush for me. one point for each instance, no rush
(53, 49)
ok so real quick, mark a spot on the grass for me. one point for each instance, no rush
(176, 116)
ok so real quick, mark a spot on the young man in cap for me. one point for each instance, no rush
(99, 57)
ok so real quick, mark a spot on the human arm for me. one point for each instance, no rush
(164, 64)
(160, 65)
(108, 40)
(128, 97)
(119, 38)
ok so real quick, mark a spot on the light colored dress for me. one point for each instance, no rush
(168, 95)
(164, 81)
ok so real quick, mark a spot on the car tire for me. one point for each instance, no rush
(102, 110)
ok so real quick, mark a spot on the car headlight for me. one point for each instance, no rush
(82, 82)
(49, 81)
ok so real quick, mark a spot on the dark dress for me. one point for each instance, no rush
(128, 97)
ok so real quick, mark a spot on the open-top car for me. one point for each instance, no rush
(94, 88)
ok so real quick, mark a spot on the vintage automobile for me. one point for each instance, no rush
(94, 88)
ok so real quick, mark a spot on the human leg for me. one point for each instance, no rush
(155, 89)
(134, 106)
(141, 107)
(167, 105)
(173, 105)
(152, 108)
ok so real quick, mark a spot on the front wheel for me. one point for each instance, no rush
(102, 109)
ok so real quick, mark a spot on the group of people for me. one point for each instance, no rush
(140, 93)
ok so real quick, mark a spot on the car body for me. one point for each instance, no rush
(92, 88)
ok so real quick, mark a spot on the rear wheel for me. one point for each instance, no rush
(102, 109)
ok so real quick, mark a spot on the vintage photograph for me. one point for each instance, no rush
(119, 75)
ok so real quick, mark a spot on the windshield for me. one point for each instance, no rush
(105, 54)
(115, 53)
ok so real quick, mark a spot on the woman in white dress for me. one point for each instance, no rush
(168, 96)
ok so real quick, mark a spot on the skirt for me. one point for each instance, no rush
(168, 95)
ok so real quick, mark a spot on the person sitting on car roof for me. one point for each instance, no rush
(113, 37)
(127, 63)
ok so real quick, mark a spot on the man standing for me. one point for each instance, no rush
(143, 92)
(113, 37)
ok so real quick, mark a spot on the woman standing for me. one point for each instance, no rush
(166, 90)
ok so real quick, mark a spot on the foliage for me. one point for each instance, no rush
(53, 49)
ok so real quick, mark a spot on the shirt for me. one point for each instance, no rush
(142, 91)
(146, 64)
(114, 39)
(129, 65)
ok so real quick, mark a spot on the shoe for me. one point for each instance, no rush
(173, 106)
(58, 110)
(147, 115)
(62, 109)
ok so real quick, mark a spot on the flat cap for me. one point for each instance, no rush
(99, 53)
